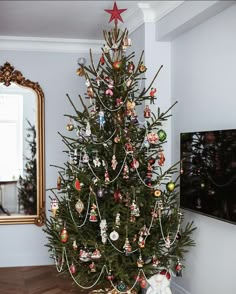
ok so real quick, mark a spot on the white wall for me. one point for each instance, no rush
(23, 245)
(203, 81)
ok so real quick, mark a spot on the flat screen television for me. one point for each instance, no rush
(208, 173)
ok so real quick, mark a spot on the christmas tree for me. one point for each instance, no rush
(27, 191)
(115, 216)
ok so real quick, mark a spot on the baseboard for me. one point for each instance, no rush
(176, 289)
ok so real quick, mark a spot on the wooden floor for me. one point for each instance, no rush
(35, 280)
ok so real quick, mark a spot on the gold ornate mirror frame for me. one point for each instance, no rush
(9, 75)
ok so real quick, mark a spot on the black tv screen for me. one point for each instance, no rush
(208, 173)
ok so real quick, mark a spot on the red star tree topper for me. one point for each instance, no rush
(115, 13)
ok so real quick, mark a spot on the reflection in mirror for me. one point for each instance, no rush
(21, 149)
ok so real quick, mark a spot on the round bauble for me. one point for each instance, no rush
(117, 65)
(157, 193)
(170, 186)
(70, 127)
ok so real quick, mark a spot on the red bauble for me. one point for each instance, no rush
(152, 161)
(64, 235)
(117, 64)
(143, 283)
(77, 185)
(72, 269)
(117, 196)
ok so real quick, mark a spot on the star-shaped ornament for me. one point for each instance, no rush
(115, 13)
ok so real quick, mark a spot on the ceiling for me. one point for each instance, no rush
(75, 19)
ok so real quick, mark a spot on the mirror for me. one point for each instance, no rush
(22, 149)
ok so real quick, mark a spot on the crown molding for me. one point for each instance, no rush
(149, 13)
(50, 44)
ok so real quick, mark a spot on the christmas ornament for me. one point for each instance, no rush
(97, 162)
(125, 172)
(110, 276)
(77, 185)
(102, 59)
(72, 268)
(117, 65)
(90, 92)
(178, 269)
(127, 247)
(96, 254)
(100, 192)
(125, 43)
(170, 186)
(142, 68)
(130, 106)
(117, 196)
(70, 127)
(79, 206)
(80, 72)
(54, 206)
(152, 160)
(152, 138)
(130, 67)
(109, 91)
(134, 209)
(114, 162)
(134, 164)
(140, 262)
(59, 183)
(121, 286)
(101, 119)
(75, 157)
(157, 193)
(85, 158)
(114, 236)
(159, 283)
(92, 267)
(129, 148)
(93, 213)
(119, 101)
(115, 13)
(64, 235)
(129, 82)
(141, 241)
(161, 159)
(162, 135)
(152, 95)
(74, 246)
(103, 230)
(107, 179)
(167, 242)
(88, 129)
(178, 236)
(144, 231)
(155, 261)
(143, 283)
(117, 139)
(147, 111)
(84, 255)
(117, 221)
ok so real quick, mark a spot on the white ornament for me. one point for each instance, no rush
(87, 83)
(114, 162)
(96, 162)
(103, 228)
(159, 284)
(114, 236)
(88, 129)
